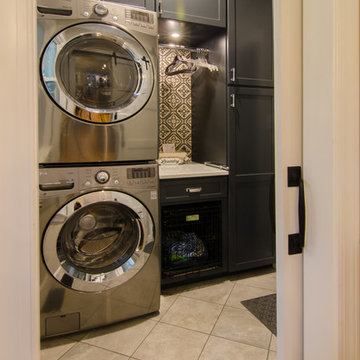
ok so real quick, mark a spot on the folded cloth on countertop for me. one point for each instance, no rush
(180, 155)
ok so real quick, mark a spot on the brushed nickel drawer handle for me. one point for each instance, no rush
(194, 189)
(233, 74)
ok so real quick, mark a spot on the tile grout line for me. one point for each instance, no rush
(207, 340)
(268, 354)
(102, 348)
(184, 328)
(233, 287)
(141, 342)
(212, 329)
(59, 358)
(255, 287)
(240, 342)
(177, 296)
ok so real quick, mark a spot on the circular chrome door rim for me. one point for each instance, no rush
(65, 273)
(100, 30)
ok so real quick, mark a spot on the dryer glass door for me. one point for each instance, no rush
(98, 241)
(97, 72)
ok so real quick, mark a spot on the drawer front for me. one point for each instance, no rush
(192, 189)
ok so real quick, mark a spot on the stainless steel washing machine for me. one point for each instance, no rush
(99, 241)
(98, 83)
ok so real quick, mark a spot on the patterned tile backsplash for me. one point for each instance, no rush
(175, 103)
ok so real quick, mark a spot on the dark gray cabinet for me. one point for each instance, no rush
(193, 228)
(251, 122)
(251, 179)
(252, 227)
(250, 36)
(207, 12)
(146, 4)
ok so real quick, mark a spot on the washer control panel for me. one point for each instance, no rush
(102, 177)
(101, 10)
(62, 181)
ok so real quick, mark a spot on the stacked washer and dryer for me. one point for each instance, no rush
(98, 141)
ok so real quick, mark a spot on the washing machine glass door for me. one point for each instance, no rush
(97, 72)
(98, 241)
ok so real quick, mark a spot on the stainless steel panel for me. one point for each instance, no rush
(137, 296)
(62, 324)
(66, 139)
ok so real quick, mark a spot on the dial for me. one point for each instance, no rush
(100, 10)
(102, 177)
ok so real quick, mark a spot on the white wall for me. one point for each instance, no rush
(19, 339)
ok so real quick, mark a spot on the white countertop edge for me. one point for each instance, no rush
(183, 176)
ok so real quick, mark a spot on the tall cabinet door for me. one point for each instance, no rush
(250, 32)
(251, 190)
(252, 230)
(207, 12)
(251, 122)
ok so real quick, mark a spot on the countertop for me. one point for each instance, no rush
(189, 170)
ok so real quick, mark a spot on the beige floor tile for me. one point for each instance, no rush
(83, 351)
(272, 355)
(165, 303)
(243, 292)
(240, 325)
(167, 342)
(123, 338)
(53, 349)
(222, 349)
(215, 293)
(193, 314)
(273, 343)
(267, 281)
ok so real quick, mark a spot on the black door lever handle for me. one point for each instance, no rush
(301, 212)
(297, 241)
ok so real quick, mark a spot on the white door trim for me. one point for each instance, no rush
(19, 303)
(288, 152)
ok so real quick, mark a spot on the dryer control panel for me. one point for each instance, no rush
(132, 17)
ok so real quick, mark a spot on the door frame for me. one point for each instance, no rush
(20, 314)
(20, 29)
(288, 152)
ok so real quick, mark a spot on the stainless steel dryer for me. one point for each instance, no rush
(99, 243)
(98, 86)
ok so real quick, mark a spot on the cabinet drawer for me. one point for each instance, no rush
(176, 190)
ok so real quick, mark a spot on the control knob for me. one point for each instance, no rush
(100, 10)
(102, 177)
